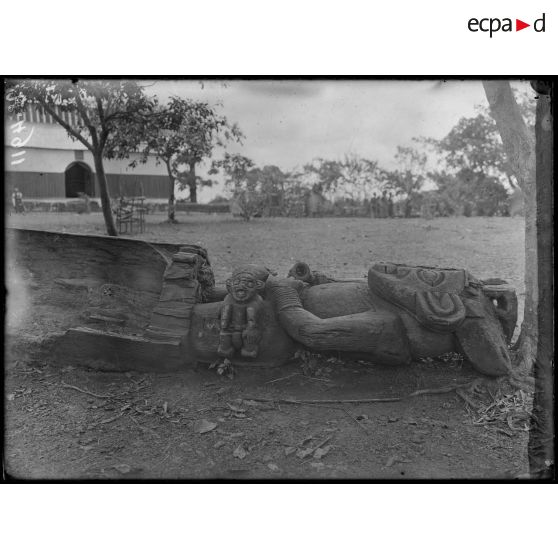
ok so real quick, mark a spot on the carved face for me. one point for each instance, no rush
(243, 286)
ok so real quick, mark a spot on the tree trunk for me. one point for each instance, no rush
(171, 206)
(519, 147)
(192, 183)
(105, 199)
(541, 446)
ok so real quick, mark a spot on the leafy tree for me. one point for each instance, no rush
(467, 190)
(271, 179)
(102, 107)
(353, 177)
(360, 177)
(242, 182)
(181, 135)
(269, 182)
(328, 175)
(474, 143)
(409, 178)
(204, 129)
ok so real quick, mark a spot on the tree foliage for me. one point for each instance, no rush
(474, 144)
(245, 193)
(181, 135)
(407, 180)
(102, 107)
(352, 177)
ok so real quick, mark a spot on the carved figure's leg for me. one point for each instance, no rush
(225, 348)
(249, 350)
(237, 339)
(379, 334)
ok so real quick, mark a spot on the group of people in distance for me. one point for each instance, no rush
(380, 207)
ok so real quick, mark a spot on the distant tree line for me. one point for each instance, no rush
(464, 173)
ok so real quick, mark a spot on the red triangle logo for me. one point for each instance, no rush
(519, 25)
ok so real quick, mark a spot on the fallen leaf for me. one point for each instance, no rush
(320, 452)
(391, 461)
(123, 468)
(202, 426)
(219, 444)
(111, 419)
(235, 408)
(165, 407)
(319, 465)
(10, 396)
(302, 453)
(272, 467)
(240, 452)
(289, 450)
(306, 441)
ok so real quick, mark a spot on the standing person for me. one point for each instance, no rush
(366, 207)
(17, 201)
(384, 206)
(374, 206)
(390, 206)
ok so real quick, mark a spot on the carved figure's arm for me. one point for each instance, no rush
(226, 313)
(251, 334)
(373, 332)
(251, 316)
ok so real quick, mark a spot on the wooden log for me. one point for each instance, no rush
(134, 263)
(109, 351)
(92, 274)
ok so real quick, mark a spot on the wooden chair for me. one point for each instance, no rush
(130, 214)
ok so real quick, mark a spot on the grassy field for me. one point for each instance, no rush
(144, 425)
(488, 247)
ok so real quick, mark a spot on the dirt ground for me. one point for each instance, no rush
(77, 423)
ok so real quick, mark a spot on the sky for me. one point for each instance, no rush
(289, 123)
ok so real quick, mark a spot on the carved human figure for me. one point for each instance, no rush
(401, 313)
(239, 315)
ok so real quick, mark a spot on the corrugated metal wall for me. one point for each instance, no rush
(35, 185)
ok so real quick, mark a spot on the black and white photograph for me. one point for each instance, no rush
(326, 279)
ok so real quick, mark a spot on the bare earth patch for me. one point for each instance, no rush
(79, 423)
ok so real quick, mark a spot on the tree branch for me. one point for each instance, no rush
(105, 132)
(83, 112)
(66, 126)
